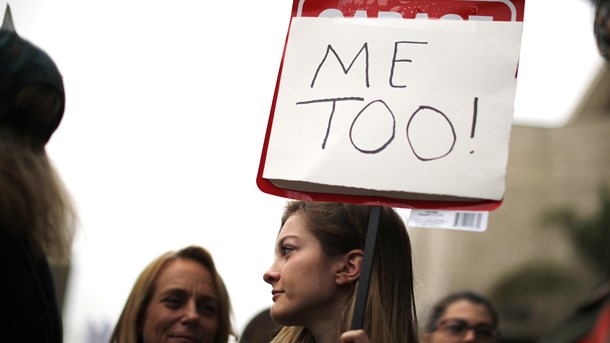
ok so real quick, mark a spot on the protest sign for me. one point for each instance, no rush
(404, 113)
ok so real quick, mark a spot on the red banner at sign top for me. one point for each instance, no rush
(496, 10)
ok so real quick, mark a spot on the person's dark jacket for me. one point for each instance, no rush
(29, 309)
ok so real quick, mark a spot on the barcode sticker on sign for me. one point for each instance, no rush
(456, 220)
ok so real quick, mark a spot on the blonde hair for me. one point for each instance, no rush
(34, 202)
(390, 314)
(132, 317)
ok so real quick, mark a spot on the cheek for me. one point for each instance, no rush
(147, 330)
(309, 277)
(298, 275)
(156, 320)
(209, 327)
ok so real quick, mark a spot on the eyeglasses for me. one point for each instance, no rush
(458, 328)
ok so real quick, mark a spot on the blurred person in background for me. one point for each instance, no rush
(178, 297)
(37, 217)
(260, 329)
(460, 317)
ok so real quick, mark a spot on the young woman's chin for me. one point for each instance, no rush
(283, 316)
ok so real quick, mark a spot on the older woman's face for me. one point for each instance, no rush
(183, 307)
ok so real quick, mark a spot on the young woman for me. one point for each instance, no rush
(317, 266)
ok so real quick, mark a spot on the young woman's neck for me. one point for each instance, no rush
(327, 327)
(329, 334)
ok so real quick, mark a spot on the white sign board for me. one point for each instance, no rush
(406, 108)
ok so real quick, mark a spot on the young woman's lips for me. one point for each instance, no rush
(275, 294)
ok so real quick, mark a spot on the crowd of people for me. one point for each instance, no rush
(314, 278)
(180, 296)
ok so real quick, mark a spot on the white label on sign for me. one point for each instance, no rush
(456, 220)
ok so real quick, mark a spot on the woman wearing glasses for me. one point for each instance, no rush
(462, 317)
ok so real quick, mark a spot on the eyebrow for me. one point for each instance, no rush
(457, 319)
(173, 291)
(183, 292)
(283, 239)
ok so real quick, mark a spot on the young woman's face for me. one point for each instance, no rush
(302, 277)
(183, 307)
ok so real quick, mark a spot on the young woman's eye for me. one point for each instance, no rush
(285, 250)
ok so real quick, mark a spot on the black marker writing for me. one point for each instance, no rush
(475, 111)
(394, 60)
(426, 110)
(330, 48)
(332, 112)
(383, 146)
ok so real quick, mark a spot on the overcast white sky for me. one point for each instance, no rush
(167, 106)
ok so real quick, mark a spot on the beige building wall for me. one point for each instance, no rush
(547, 168)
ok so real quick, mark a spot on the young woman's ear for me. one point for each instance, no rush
(351, 266)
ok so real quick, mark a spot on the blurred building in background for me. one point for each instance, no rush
(531, 260)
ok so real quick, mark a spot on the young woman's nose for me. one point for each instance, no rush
(271, 275)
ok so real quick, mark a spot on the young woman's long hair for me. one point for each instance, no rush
(390, 314)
